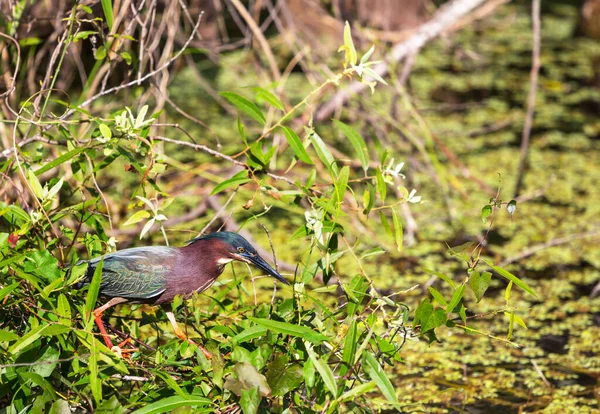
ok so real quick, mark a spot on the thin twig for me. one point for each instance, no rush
(259, 36)
(550, 243)
(13, 82)
(533, 83)
(146, 76)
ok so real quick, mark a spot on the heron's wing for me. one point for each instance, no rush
(138, 273)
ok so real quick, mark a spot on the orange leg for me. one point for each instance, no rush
(181, 335)
(98, 319)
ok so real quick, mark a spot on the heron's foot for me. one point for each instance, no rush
(123, 352)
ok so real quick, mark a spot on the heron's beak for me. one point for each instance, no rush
(259, 262)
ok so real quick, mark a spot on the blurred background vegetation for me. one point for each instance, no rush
(453, 112)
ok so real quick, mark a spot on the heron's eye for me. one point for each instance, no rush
(241, 250)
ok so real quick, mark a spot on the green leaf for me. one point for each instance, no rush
(486, 211)
(285, 328)
(428, 317)
(323, 153)
(137, 217)
(456, 298)
(397, 230)
(108, 13)
(381, 185)
(8, 336)
(283, 377)
(105, 131)
(479, 282)
(168, 404)
(59, 160)
(92, 294)
(246, 106)
(100, 53)
(351, 56)
(250, 401)
(35, 185)
(368, 199)
(296, 145)
(437, 296)
(442, 276)
(249, 334)
(147, 227)
(357, 391)
(506, 274)
(323, 369)
(235, 181)
(385, 223)
(377, 374)
(357, 142)
(43, 264)
(341, 183)
(350, 345)
(268, 97)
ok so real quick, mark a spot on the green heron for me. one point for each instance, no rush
(156, 274)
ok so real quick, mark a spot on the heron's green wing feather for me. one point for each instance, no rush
(138, 273)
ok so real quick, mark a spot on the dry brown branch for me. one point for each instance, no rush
(533, 83)
(259, 37)
(550, 243)
(445, 17)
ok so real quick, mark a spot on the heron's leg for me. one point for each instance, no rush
(181, 335)
(98, 318)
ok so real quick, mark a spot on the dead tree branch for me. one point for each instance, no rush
(441, 21)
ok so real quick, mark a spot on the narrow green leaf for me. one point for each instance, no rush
(323, 153)
(108, 13)
(92, 294)
(437, 296)
(61, 159)
(442, 276)
(397, 230)
(235, 181)
(369, 199)
(377, 374)
(384, 222)
(137, 217)
(300, 331)
(381, 185)
(350, 345)
(249, 334)
(506, 274)
(95, 383)
(357, 391)
(268, 97)
(246, 106)
(27, 339)
(35, 184)
(323, 369)
(456, 298)
(360, 147)
(351, 56)
(296, 145)
(341, 183)
(168, 404)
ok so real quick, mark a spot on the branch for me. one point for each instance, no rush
(443, 20)
(533, 82)
(550, 243)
